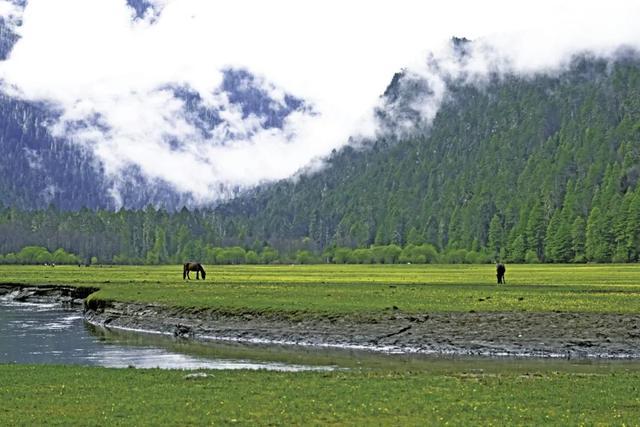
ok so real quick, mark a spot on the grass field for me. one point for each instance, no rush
(357, 289)
(35, 395)
(41, 395)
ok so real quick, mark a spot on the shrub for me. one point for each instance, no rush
(269, 255)
(305, 257)
(232, 255)
(531, 257)
(33, 255)
(342, 255)
(455, 256)
(60, 256)
(361, 256)
(252, 257)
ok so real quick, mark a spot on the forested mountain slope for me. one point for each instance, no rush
(544, 167)
(525, 168)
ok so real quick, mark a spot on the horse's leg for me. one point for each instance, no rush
(197, 274)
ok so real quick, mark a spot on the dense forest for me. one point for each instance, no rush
(157, 237)
(541, 168)
(538, 168)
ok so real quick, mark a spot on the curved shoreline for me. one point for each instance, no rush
(68, 295)
(505, 334)
(493, 334)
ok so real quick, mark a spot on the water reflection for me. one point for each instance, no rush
(48, 333)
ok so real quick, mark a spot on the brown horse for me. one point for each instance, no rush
(193, 266)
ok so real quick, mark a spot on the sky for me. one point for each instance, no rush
(93, 58)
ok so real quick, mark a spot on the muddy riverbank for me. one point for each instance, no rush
(516, 334)
(68, 295)
(520, 334)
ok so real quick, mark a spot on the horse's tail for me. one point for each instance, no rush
(184, 271)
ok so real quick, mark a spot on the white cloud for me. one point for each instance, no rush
(8, 9)
(93, 59)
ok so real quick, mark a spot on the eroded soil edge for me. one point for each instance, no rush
(566, 335)
(520, 334)
(68, 295)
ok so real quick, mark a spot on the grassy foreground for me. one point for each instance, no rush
(357, 289)
(98, 396)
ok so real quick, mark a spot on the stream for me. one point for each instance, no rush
(49, 333)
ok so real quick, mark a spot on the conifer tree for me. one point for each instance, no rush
(536, 230)
(632, 227)
(597, 245)
(495, 242)
(578, 239)
(518, 249)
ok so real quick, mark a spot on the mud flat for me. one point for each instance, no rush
(516, 334)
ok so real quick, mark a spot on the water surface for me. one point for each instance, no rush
(49, 333)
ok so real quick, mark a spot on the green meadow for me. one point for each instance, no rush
(356, 289)
(594, 394)
(64, 395)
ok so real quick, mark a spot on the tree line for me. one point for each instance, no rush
(607, 234)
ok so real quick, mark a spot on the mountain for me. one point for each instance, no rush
(141, 7)
(39, 168)
(543, 167)
(7, 38)
(537, 167)
(529, 168)
(243, 90)
(33, 161)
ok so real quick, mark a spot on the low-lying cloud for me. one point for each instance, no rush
(113, 73)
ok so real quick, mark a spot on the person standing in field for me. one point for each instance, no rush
(500, 270)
